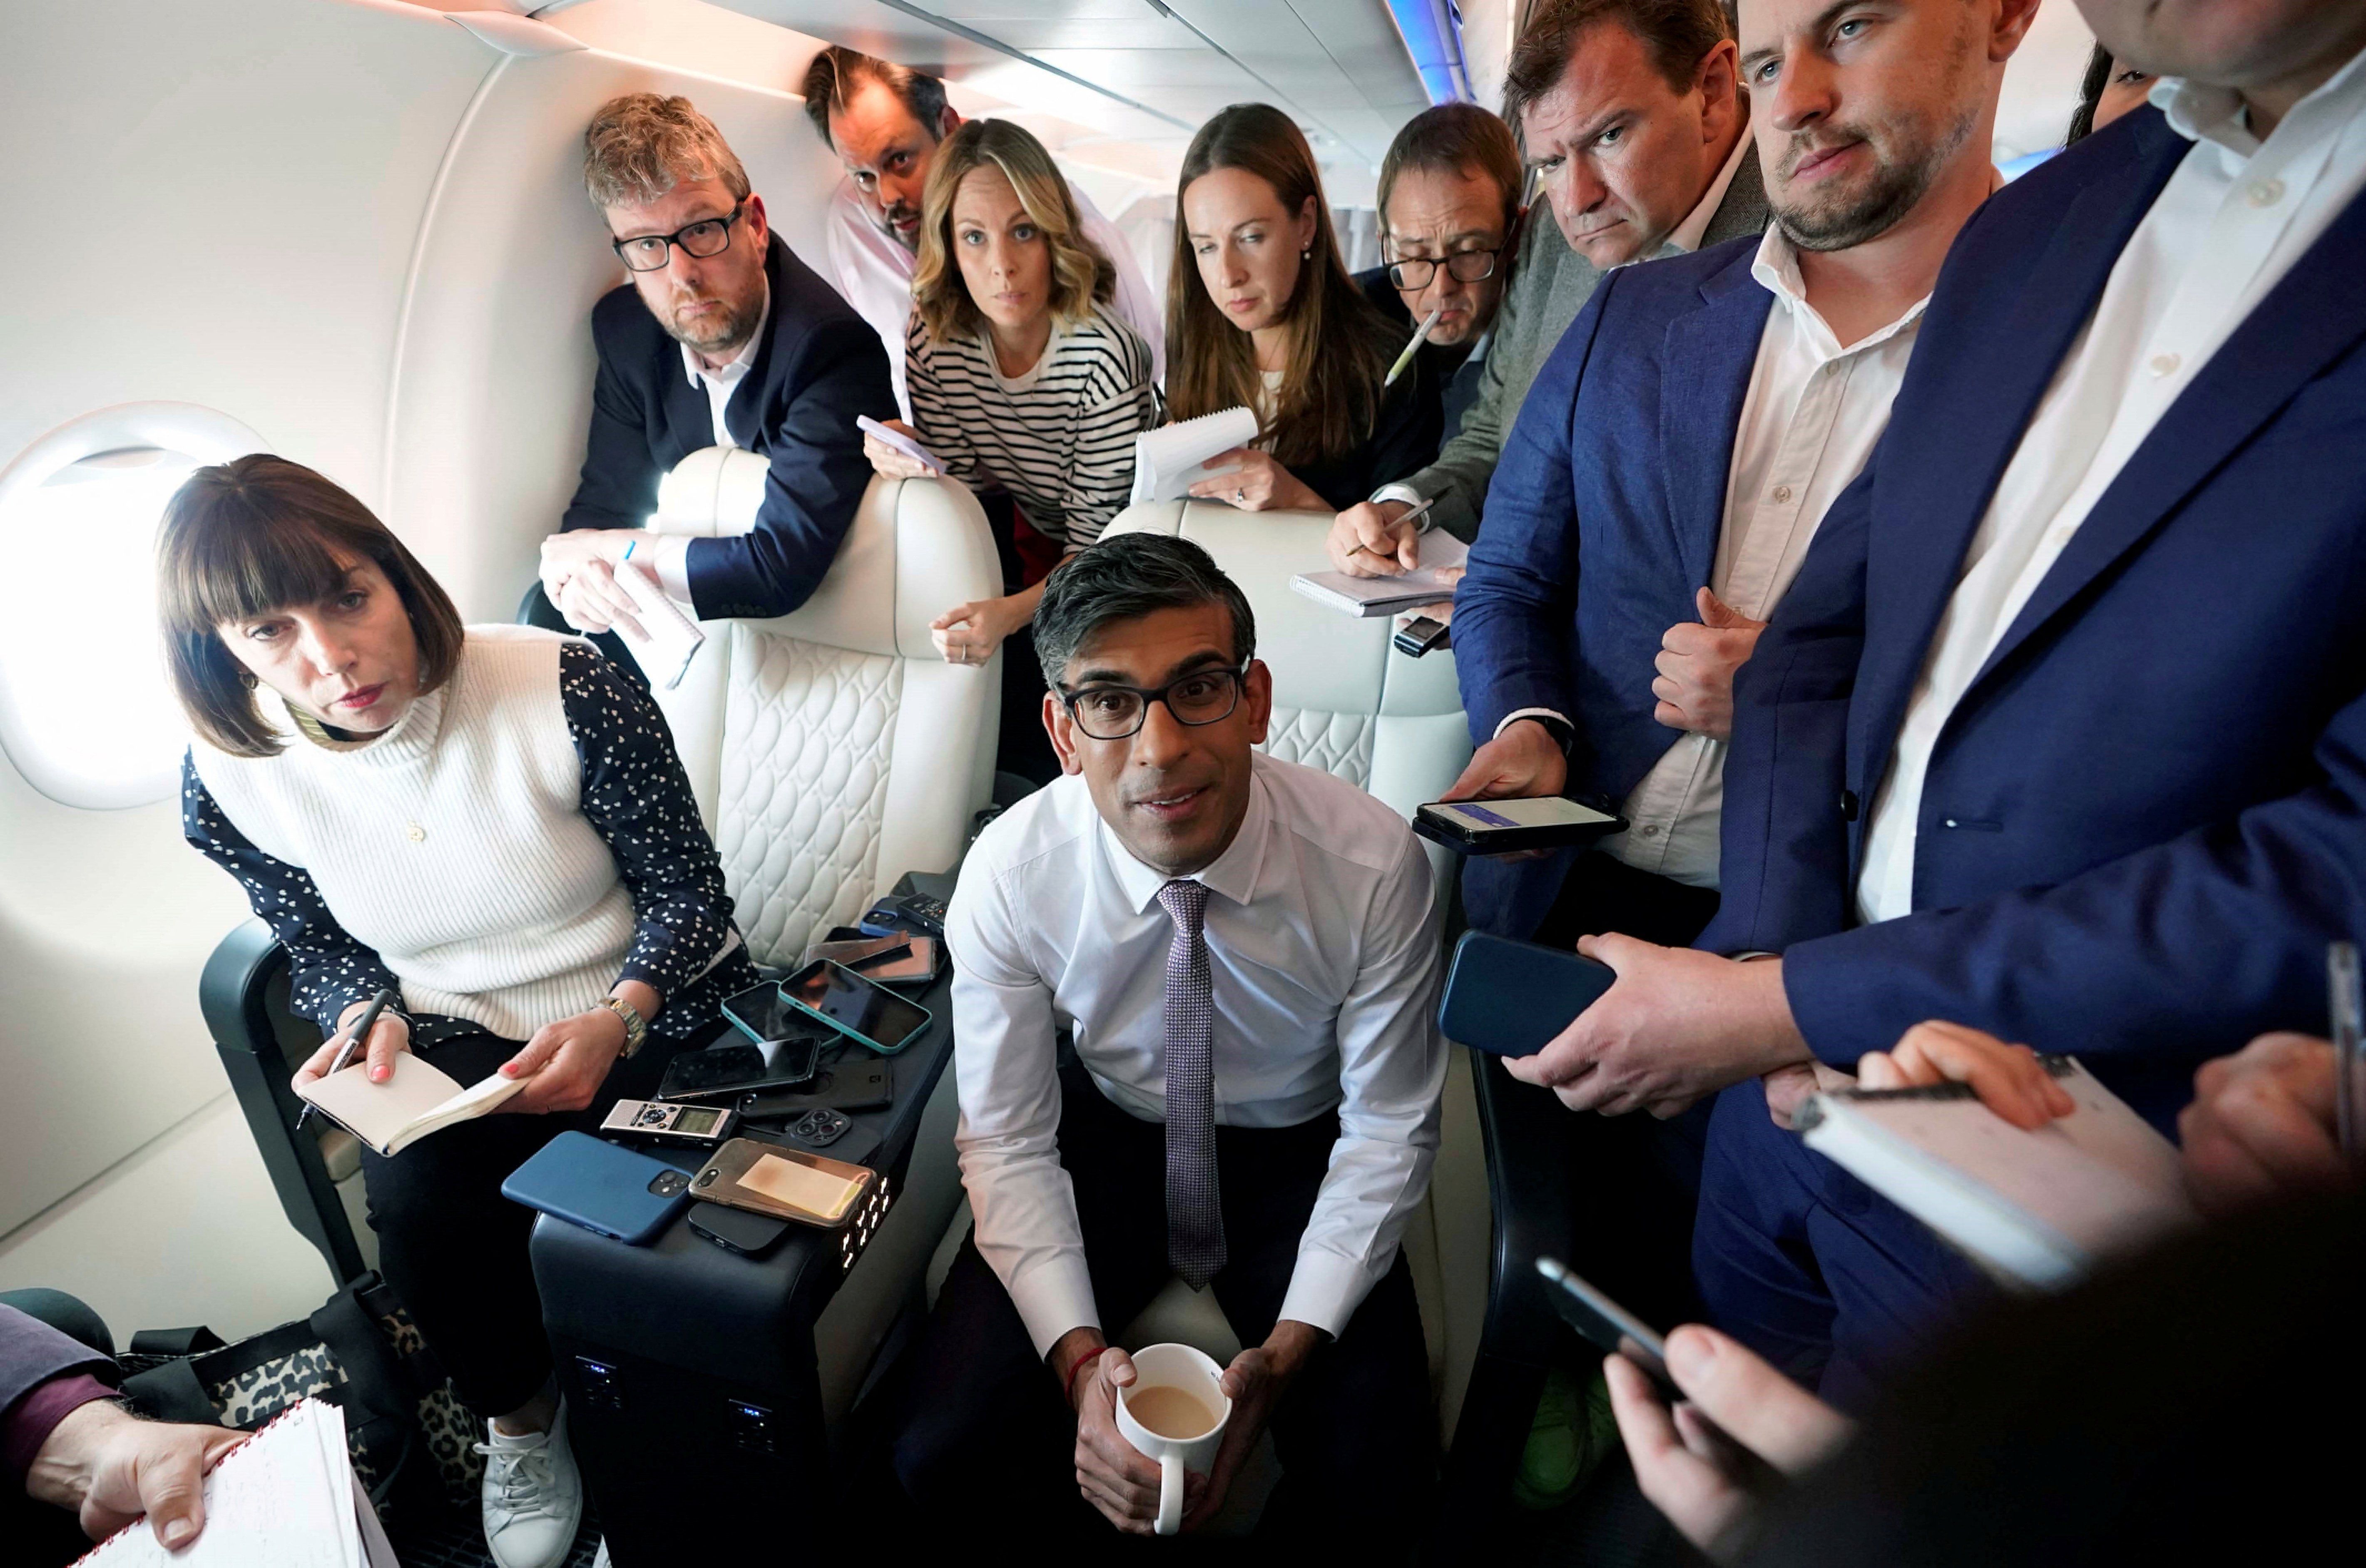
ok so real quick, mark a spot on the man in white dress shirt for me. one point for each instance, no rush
(1242, 952)
(883, 121)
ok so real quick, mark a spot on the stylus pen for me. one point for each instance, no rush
(352, 1042)
(2349, 1114)
(1414, 347)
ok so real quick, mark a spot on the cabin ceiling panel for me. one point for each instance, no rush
(1337, 66)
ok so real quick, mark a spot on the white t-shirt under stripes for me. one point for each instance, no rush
(1059, 436)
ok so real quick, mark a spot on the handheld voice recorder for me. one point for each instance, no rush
(663, 1123)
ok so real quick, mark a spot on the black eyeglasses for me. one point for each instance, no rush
(707, 237)
(1467, 266)
(1117, 713)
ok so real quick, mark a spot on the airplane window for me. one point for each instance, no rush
(86, 713)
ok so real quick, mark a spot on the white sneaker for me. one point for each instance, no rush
(534, 1496)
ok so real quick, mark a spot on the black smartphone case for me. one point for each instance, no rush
(736, 1230)
(1511, 998)
(856, 1083)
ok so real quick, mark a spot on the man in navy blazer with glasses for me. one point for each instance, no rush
(2060, 732)
(721, 338)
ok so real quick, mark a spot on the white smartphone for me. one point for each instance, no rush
(901, 442)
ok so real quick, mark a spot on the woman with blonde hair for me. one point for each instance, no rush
(1262, 313)
(1021, 375)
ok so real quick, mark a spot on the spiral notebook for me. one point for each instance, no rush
(1169, 461)
(2036, 1208)
(286, 1498)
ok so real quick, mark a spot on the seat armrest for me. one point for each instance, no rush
(244, 995)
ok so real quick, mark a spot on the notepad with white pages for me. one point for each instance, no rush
(2038, 1208)
(416, 1101)
(668, 638)
(1171, 459)
(286, 1498)
(1367, 597)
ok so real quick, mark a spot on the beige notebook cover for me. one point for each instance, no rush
(416, 1101)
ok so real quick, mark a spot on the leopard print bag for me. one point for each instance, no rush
(413, 1444)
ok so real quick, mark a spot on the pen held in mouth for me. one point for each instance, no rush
(1421, 336)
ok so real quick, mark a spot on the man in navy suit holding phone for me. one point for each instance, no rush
(2061, 731)
(1662, 488)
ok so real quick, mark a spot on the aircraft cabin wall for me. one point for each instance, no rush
(399, 295)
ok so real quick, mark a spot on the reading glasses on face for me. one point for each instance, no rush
(707, 237)
(1466, 266)
(1118, 713)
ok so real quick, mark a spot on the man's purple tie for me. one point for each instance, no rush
(1195, 1217)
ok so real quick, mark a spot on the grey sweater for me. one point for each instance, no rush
(1550, 286)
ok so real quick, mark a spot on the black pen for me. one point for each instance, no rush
(353, 1043)
(2349, 1012)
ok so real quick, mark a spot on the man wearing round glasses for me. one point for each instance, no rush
(721, 338)
(1242, 952)
(1449, 202)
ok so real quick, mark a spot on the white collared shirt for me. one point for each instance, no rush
(1323, 961)
(1811, 417)
(2224, 230)
(875, 271)
(719, 383)
(668, 554)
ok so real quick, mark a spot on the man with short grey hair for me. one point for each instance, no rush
(1635, 124)
(721, 338)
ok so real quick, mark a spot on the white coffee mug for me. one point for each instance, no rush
(1179, 1367)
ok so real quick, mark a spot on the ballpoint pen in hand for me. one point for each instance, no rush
(2346, 1005)
(362, 1027)
(1412, 516)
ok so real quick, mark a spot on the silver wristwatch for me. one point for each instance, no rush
(637, 1028)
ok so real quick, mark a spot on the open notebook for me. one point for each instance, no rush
(286, 1498)
(416, 1101)
(2038, 1208)
(1440, 551)
(1169, 461)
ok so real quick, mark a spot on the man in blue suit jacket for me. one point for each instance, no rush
(2061, 732)
(1678, 450)
(723, 338)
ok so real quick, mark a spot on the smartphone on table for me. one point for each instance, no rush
(865, 1011)
(899, 959)
(585, 1180)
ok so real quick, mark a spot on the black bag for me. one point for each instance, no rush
(413, 1444)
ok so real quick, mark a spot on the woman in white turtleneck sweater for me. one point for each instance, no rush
(493, 822)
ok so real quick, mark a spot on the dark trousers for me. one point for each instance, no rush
(1634, 1179)
(1811, 1268)
(985, 1433)
(455, 1249)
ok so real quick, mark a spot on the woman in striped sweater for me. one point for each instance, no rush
(1020, 374)
(492, 823)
